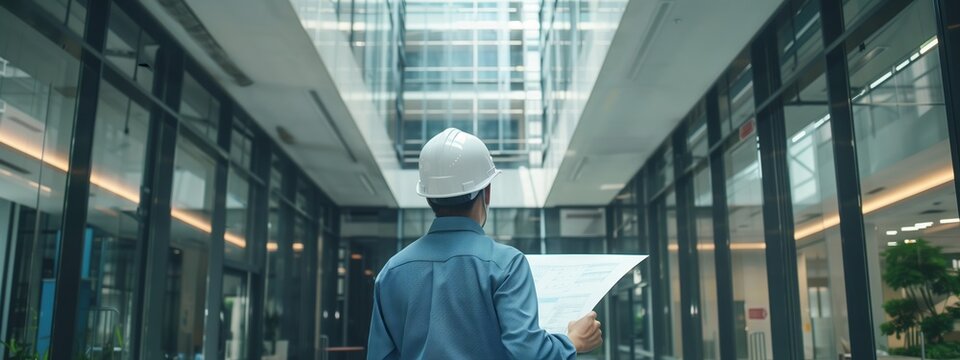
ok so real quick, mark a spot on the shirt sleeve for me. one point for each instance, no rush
(380, 345)
(516, 304)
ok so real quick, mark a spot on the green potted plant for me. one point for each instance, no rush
(924, 315)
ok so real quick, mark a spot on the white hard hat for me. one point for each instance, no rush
(454, 163)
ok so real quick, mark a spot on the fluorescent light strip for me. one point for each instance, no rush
(929, 45)
(799, 136)
(881, 80)
(902, 65)
(34, 151)
(905, 191)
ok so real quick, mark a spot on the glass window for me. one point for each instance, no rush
(239, 193)
(71, 12)
(241, 144)
(741, 92)
(199, 109)
(575, 231)
(113, 235)
(703, 217)
(130, 49)
(670, 270)
(909, 200)
(276, 175)
(275, 338)
(799, 39)
(814, 195)
(190, 229)
(236, 310)
(697, 135)
(38, 82)
(745, 210)
(853, 10)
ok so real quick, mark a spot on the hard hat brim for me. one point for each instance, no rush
(480, 186)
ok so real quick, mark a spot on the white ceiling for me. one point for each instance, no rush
(267, 42)
(639, 97)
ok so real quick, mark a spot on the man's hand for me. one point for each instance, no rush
(585, 333)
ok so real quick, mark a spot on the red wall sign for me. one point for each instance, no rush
(747, 129)
(757, 313)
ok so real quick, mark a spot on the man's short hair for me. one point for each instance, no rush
(455, 206)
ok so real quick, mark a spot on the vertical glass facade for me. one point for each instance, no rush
(475, 66)
(167, 194)
(760, 232)
(38, 82)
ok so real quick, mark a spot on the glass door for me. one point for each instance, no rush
(235, 314)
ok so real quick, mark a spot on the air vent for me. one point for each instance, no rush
(874, 191)
(663, 9)
(932, 211)
(181, 12)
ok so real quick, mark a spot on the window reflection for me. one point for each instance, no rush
(751, 303)
(239, 193)
(703, 231)
(38, 82)
(814, 195)
(906, 171)
(188, 255)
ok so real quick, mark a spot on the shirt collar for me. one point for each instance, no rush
(455, 223)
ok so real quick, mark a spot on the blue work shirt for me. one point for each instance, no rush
(457, 294)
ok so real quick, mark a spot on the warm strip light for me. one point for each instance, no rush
(298, 247)
(235, 239)
(906, 191)
(272, 246)
(733, 246)
(36, 151)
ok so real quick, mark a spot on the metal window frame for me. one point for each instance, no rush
(691, 325)
(63, 339)
(781, 251)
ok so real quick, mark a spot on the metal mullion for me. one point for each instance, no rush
(330, 263)
(285, 250)
(212, 322)
(687, 254)
(948, 33)
(260, 209)
(246, 174)
(722, 258)
(781, 252)
(64, 333)
(202, 141)
(657, 303)
(309, 300)
(156, 195)
(211, 344)
(856, 270)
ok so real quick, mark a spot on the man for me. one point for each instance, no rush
(455, 293)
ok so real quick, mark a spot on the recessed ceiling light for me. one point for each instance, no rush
(611, 186)
(892, 243)
(892, 232)
(924, 225)
(950, 221)
(909, 228)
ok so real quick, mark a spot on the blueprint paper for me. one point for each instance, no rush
(570, 286)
